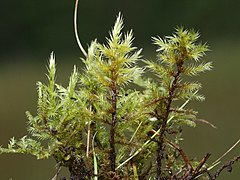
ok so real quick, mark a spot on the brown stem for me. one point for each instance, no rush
(112, 154)
(227, 166)
(182, 153)
(164, 117)
(198, 168)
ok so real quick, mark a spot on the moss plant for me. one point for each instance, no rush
(114, 122)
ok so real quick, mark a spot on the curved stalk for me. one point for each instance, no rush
(76, 30)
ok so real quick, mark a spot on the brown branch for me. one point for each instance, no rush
(189, 166)
(227, 166)
(182, 153)
(197, 171)
(112, 153)
(164, 117)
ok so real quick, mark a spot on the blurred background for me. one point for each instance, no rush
(30, 30)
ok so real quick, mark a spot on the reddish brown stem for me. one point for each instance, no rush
(203, 161)
(112, 154)
(164, 118)
(182, 153)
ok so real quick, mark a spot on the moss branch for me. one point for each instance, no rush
(162, 119)
(112, 154)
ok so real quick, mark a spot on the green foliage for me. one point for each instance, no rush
(111, 119)
(177, 56)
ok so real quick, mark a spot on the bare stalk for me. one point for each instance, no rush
(57, 173)
(220, 158)
(76, 30)
(88, 139)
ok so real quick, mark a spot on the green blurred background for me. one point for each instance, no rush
(30, 30)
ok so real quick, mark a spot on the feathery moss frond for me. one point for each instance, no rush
(195, 69)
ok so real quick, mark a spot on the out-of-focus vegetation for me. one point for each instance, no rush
(30, 30)
(37, 27)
